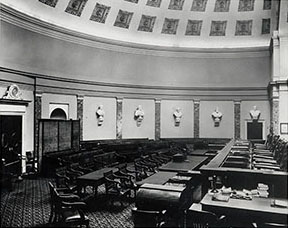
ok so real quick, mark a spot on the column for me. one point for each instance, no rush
(196, 118)
(80, 99)
(157, 119)
(119, 110)
(237, 119)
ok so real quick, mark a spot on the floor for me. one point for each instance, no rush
(28, 205)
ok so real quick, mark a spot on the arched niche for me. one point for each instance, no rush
(58, 114)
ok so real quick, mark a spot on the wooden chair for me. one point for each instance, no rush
(66, 209)
(203, 219)
(130, 180)
(114, 190)
(144, 218)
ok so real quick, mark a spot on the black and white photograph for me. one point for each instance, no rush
(144, 113)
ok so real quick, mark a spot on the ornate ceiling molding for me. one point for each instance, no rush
(12, 16)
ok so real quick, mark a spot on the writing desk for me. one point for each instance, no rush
(93, 179)
(257, 209)
(191, 163)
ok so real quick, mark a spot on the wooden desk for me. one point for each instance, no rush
(159, 178)
(93, 179)
(191, 163)
(257, 209)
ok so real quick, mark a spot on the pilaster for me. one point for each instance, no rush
(119, 113)
(80, 99)
(237, 119)
(37, 117)
(157, 119)
(196, 118)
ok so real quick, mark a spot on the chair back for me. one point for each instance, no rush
(201, 219)
(108, 176)
(143, 218)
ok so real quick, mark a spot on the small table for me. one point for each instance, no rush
(93, 179)
(258, 209)
(191, 163)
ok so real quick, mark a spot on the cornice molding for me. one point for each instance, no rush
(51, 84)
(127, 86)
(12, 16)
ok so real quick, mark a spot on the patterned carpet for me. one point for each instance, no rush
(28, 206)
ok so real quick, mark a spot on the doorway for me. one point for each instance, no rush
(11, 142)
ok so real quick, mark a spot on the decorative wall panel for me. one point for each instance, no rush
(176, 4)
(170, 26)
(123, 19)
(51, 3)
(218, 28)
(266, 26)
(222, 6)
(146, 23)
(246, 5)
(193, 28)
(154, 3)
(199, 5)
(267, 5)
(100, 13)
(75, 7)
(133, 1)
(243, 28)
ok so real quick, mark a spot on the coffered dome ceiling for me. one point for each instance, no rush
(166, 23)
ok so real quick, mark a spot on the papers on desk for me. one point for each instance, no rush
(220, 197)
(279, 203)
(241, 195)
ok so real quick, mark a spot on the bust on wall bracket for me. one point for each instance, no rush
(177, 117)
(139, 115)
(13, 92)
(100, 115)
(217, 117)
(255, 114)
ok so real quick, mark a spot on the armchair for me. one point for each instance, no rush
(145, 218)
(130, 179)
(114, 189)
(66, 209)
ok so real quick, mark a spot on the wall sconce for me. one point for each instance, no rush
(177, 117)
(100, 115)
(139, 115)
(217, 117)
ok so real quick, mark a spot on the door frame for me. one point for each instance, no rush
(259, 121)
(17, 110)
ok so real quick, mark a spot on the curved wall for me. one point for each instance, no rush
(32, 52)
(68, 71)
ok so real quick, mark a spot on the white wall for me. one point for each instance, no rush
(91, 130)
(129, 127)
(226, 127)
(168, 128)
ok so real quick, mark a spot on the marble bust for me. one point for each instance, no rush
(139, 115)
(217, 117)
(255, 113)
(177, 116)
(100, 115)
